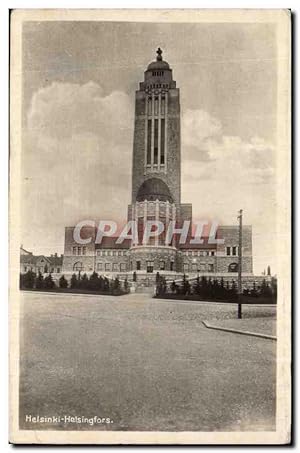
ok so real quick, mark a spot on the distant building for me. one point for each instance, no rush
(41, 263)
(156, 195)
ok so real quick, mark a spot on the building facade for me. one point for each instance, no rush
(156, 196)
(40, 263)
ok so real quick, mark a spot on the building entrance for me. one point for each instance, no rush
(150, 266)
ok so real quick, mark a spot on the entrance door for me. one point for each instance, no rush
(150, 266)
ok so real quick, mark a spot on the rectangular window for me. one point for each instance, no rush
(194, 267)
(107, 267)
(123, 267)
(210, 268)
(83, 250)
(25, 269)
(212, 253)
(162, 265)
(119, 253)
(98, 252)
(52, 269)
(234, 251)
(138, 265)
(155, 141)
(149, 142)
(79, 251)
(74, 250)
(103, 253)
(185, 267)
(228, 251)
(162, 142)
(156, 106)
(99, 266)
(190, 253)
(108, 253)
(114, 253)
(58, 270)
(162, 111)
(115, 267)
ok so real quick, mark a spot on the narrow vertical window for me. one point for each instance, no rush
(162, 109)
(155, 141)
(162, 142)
(156, 106)
(149, 106)
(149, 143)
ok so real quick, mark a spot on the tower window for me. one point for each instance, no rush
(163, 105)
(156, 106)
(155, 141)
(162, 142)
(149, 105)
(149, 143)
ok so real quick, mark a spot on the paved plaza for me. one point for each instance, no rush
(146, 364)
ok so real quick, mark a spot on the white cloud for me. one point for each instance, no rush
(76, 158)
(203, 142)
(222, 174)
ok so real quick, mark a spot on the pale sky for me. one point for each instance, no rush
(79, 82)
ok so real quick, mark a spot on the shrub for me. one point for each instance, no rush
(48, 282)
(126, 285)
(173, 287)
(74, 281)
(27, 280)
(63, 283)
(94, 282)
(265, 290)
(39, 281)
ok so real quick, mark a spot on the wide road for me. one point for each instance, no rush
(145, 364)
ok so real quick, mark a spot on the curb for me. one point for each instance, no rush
(241, 332)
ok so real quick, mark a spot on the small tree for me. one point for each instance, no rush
(27, 280)
(126, 285)
(274, 288)
(173, 286)
(116, 285)
(93, 283)
(265, 290)
(48, 282)
(101, 283)
(186, 287)
(106, 284)
(39, 281)
(253, 292)
(234, 292)
(84, 282)
(63, 283)
(197, 286)
(74, 281)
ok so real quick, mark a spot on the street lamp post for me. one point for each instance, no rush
(240, 218)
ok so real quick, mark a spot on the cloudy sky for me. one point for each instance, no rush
(79, 82)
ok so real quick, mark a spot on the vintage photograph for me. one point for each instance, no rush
(150, 226)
